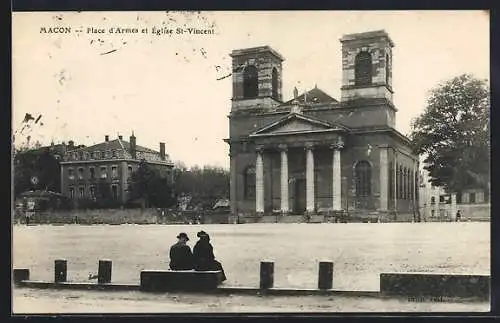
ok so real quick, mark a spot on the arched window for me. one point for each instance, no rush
(250, 82)
(363, 179)
(363, 69)
(250, 182)
(391, 181)
(275, 83)
(405, 183)
(400, 182)
(387, 69)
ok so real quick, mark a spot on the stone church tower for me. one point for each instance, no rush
(314, 154)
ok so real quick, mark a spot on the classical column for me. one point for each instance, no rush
(284, 179)
(309, 178)
(336, 178)
(453, 208)
(233, 198)
(396, 181)
(384, 178)
(259, 182)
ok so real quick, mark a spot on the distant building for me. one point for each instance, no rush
(436, 204)
(314, 153)
(111, 162)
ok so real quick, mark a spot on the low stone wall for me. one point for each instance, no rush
(118, 216)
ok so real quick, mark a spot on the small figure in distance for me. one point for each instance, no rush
(181, 257)
(459, 216)
(203, 254)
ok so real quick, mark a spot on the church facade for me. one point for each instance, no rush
(315, 154)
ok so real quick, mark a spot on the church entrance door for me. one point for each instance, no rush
(300, 196)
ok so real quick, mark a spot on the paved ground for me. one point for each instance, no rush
(360, 251)
(49, 301)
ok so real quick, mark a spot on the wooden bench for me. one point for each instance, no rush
(179, 280)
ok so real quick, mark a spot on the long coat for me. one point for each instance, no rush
(204, 259)
(181, 257)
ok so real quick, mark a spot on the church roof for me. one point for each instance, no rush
(312, 97)
(295, 123)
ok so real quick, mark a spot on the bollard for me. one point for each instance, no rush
(325, 276)
(266, 274)
(21, 274)
(104, 272)
(60, 271)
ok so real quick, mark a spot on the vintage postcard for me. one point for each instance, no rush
(284, 161)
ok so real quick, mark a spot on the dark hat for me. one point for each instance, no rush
(201, 233)
(183, 235)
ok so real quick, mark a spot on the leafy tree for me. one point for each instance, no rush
(148, 183)
(453, 134)
(39, 163)
(203, 185)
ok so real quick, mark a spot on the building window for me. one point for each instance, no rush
(71, 193)
(363, 179)
(363, 69)
(387, 69)
(433, 200)
(250, 182)
(92, 192)
(472, 197)
(114, 171)
(81, 192)
(92, 172)
(114, 189)
(130, 171)
(433, 213)
(80, 173)
(400, 183)
(391, 181)
(275, 83)
(104, 173)
(113, 153)
(250, 82)
(80, 155)
(71, 173)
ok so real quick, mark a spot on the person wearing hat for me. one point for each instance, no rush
(181, 257)
(203, 255)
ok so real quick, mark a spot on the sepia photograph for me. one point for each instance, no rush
(250, 162)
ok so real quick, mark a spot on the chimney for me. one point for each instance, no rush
(133, 146)
(71, 145)
(162, 150)
(120, 137)
(106, 138)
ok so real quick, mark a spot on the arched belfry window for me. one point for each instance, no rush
(275, 83)
(250, 182)
(387, 69)
(363, 69)
(250, 82)
(363, 174)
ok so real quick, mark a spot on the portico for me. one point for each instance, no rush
(303, 137)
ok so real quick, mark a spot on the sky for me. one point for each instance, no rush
(171, 87)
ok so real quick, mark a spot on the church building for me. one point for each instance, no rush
(315, 154)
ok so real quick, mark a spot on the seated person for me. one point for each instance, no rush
(181, 257)
(203, 255)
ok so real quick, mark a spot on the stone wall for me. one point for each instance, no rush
(118, 216)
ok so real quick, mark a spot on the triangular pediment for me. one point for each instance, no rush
(296, 124)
